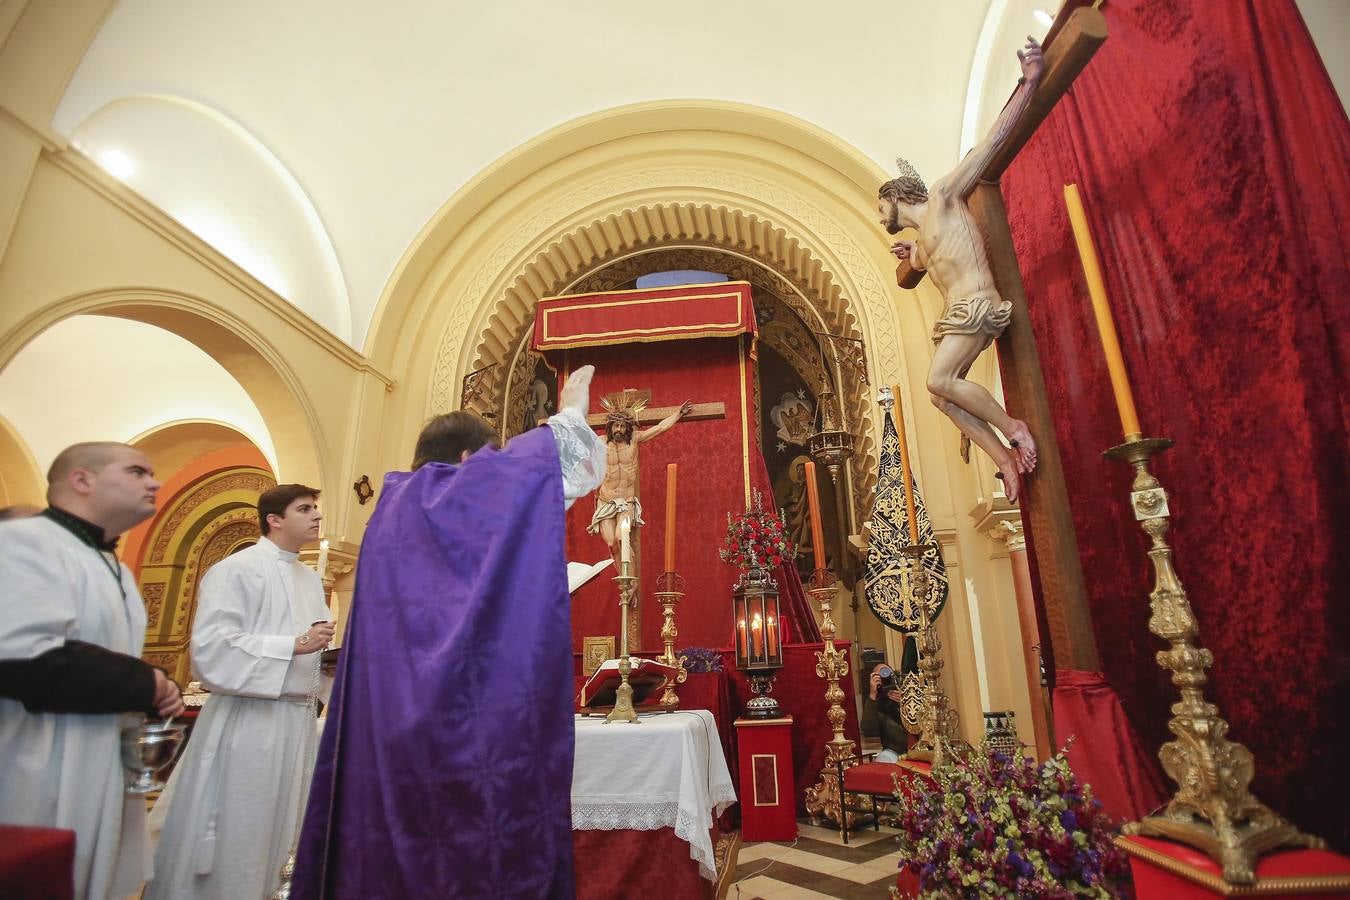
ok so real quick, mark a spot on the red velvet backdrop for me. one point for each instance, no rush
(712, 482)
(1211, 150)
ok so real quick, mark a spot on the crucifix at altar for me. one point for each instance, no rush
(675, 386)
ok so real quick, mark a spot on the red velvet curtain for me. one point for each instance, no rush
(716, 459)
(1211, 150)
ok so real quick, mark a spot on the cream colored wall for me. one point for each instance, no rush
(76, 241)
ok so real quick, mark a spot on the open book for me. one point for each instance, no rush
(647, 678)
(580, 573)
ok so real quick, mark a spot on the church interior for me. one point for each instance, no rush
(264, 243)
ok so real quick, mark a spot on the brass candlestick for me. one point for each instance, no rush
(623, 710)
(938, 742)
(1212, 810)
(824, 799)
(669, 590)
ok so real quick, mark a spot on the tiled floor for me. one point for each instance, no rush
(818, 864)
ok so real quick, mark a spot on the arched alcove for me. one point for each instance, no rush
(251, 360)
(21, 481)
(785, 200)
(207, 511)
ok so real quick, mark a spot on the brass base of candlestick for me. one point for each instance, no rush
(1212, 809)
(669, 591)
(623, 710)
(939, 743)
(823, 800)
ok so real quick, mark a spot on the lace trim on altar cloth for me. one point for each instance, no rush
(689, 827)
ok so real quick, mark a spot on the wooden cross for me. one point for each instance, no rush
(699, 412)
(1046, 501)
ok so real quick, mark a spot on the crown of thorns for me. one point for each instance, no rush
(623, 406)
(908, 171)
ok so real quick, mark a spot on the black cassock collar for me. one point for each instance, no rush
(83, 529)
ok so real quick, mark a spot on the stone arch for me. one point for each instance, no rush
(506, 379)
(21, 481)
(754, 183)
(212, 511)
(259, 367)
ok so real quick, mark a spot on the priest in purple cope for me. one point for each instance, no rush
(445, 768)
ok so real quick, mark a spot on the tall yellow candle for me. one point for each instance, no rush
(1101, 309)
(910, 516)
(813, 503)
(670, 517)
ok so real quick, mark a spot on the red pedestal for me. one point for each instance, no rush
(1165, 869)
(768, 796)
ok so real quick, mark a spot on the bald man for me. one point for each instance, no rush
(72, 624)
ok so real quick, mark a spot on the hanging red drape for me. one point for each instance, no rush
(1214, 158)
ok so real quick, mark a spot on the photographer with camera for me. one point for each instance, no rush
(881, 713)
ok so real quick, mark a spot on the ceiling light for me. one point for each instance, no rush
(117, 164)
(1044, 17)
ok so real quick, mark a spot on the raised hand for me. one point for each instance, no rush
(576, 393)
(903, 249)
(1033, 60)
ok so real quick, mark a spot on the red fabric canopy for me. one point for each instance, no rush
(659, 314)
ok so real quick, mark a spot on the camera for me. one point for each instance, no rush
(888, 682)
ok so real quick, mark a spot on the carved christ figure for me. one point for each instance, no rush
(950, 248)
(617, 495)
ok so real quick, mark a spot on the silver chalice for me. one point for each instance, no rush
(146, 749)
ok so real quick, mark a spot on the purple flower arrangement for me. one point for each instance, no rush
(1002, 826)
(701, 659)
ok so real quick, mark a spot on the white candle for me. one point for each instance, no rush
(323, 558)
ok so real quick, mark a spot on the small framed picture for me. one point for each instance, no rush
(594, 651)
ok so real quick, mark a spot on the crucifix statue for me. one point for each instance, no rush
(973, 223)
(618, 511)
(950, 249)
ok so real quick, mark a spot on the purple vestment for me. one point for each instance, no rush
(445, 768)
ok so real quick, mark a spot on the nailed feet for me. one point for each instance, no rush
(1023, 447)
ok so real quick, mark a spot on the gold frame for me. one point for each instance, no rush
(589, 647)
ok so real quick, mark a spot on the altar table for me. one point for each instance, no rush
(666, 772)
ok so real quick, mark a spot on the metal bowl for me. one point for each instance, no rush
(146, 749)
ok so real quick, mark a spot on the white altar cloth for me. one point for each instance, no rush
(667, 771)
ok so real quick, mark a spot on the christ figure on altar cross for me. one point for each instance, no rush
(950, 247)
(617, 495)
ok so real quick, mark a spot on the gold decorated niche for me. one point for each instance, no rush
(205, 522)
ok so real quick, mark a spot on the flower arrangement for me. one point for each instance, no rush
(756, 538)
(701, 659)
(1002, 826)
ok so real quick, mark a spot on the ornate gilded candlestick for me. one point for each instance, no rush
(669, 590)
(1212, 809)
(623, 710)
(938, 742)
(831, 665)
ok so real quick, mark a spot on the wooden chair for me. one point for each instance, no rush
(862, 780)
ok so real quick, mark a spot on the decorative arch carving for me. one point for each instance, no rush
(617, 249)
(203, 523)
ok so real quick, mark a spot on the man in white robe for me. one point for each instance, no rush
(235, 799)
(72, 624)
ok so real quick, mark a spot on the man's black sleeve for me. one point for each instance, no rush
(79, 678)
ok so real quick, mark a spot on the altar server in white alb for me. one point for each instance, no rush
(71, 628)
(233, 802)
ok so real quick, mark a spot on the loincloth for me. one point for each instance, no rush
(985, 314)
(610, 509)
